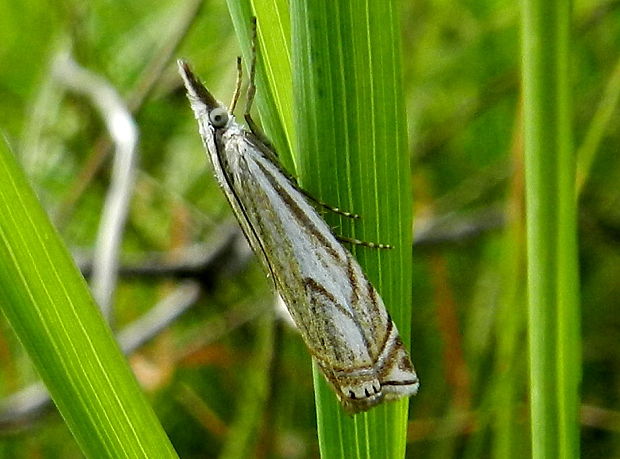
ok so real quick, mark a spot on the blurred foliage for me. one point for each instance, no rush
(461, 79)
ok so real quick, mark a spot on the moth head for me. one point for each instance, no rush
(218, 117)
(203, 102)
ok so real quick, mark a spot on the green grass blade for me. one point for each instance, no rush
(48, 304)
(555, 364)
(351, 149)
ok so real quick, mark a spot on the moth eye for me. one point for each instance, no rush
(218, 117)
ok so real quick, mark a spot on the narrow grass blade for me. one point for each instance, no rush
(47, 302)
(351, 151)
(555, 362)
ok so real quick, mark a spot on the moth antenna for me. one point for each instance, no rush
(235, 97)
(252, 90)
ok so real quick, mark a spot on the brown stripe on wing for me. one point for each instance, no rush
(328, 335)
(396, 345)
(316, 290)
(384, 343)
(300, 214)
(355, 287)
(378, 319)
(315, 287)
(244, 219)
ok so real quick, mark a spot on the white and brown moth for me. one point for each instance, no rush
(338, 312)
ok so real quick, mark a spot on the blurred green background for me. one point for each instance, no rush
(203, 371)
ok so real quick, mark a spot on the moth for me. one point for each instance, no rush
(338, 312)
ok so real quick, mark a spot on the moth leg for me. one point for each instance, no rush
(372, 245)
(235, 97)
(257, 131)
(333, 209)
